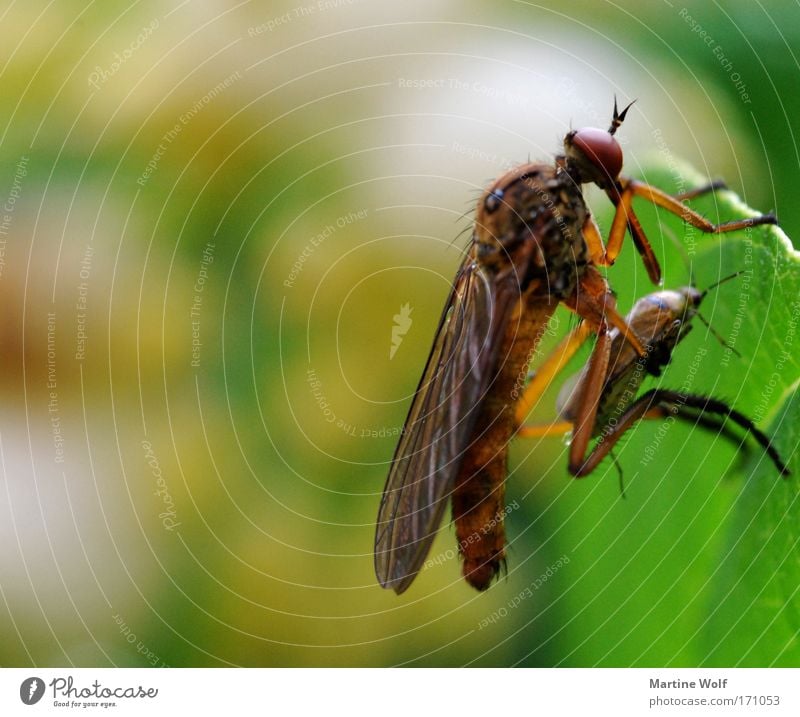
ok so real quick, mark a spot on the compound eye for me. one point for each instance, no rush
(493, 201)
(601, 149)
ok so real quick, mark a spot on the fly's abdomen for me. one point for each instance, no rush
(478, 512)
(479, 491)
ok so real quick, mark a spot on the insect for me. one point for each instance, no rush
(612, 378)
(534, 245)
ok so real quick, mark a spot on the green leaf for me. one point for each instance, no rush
(753, 617)
(699, 564)
(756, 616)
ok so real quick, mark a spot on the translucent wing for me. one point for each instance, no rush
(440, 422)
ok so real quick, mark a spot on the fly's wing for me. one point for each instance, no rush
(440, 422)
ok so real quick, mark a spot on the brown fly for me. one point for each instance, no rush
(611, 380)
(534, 245)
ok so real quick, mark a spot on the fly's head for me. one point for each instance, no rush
(594, 155)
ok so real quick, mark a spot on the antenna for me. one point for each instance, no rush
(618, 118)
(707, 324)
(721, 281)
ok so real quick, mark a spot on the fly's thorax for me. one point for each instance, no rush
(677, 304)
(529, 221)
(661, 320)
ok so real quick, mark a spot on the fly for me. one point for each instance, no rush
(602, 402)
(534, 245)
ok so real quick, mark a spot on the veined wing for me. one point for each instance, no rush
(440, 421)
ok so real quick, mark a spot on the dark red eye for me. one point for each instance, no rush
(600, 148)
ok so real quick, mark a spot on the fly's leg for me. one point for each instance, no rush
(595, 305)
(606, 256)
(679, 209)
(586, 414)
(714, 186)
(625, 218)
(545, 430)
(688, 406)
(552, 366)
(656, 404)
(594, 240)
(594, 302)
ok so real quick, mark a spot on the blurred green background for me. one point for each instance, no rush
(212, 213)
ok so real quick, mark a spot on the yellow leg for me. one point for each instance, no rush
(625, 217)
(594, 240)
(700, 191)
(544, 375)
(586, 415)
(677, 207)
(545, 430)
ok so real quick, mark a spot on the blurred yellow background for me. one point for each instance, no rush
(213, 213)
